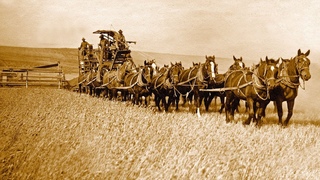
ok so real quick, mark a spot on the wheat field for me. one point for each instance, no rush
(58, 134)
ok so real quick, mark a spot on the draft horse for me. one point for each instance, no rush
(251, 86)
(112, 80)
(290, 71)
(218, 82)
(138, 83)
(196, 78)
(163, 85)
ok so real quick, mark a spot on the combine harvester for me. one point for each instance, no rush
(111, 53)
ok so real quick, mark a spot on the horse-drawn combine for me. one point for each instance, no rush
(111, 69)
(112, 52)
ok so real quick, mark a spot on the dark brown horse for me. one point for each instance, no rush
(218, 82)
(163, 85)
(196, 78)
(92, 84)
(138, 83)
(114, 79)
(290, 71)
(254, 87)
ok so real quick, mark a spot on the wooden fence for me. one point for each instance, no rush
(48, 75)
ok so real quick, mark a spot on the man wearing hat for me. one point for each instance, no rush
(84, 44)
(103, 45)
(103, 54)
(121, 40)
(83, 48)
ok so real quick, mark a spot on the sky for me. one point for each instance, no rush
(251, 29)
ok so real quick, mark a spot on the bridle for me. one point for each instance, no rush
(144, 76)
(172, 75)
(257, 79)
(299, 67)
(212, 71)
(302, 66)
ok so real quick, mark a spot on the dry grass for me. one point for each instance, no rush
(57, 134)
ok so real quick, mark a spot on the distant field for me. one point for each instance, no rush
(68, 57)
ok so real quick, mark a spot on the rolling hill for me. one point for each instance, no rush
(68, 58)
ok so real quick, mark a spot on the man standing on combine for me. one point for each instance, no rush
(83, 47)
(103, 45)
(103, 55)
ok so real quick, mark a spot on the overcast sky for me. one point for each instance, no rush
(247, 28)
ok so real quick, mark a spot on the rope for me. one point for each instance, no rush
(104, 85)
(91, 80)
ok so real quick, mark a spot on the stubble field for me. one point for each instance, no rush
(58, 134)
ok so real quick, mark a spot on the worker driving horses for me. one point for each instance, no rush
(121, 41)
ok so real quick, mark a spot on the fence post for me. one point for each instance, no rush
(59, 76)
(27, 79)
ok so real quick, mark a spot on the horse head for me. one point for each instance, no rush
(164, 69)
(238, 64)
(174, 73)
(127, 67)
(302, 64)
(211, 67)
(195, 65)
(146, 74)
(267, 72)
(152, 63)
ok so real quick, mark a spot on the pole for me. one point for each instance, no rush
(27, 79)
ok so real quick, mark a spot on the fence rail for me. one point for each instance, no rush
(48, 75)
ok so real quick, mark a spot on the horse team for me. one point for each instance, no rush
(269, 80)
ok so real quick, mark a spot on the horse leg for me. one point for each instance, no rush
(133, 100)
(275, 107)
(164, 102)
(80, 88)
(110, 93)
(222, 97)
(115, 94)
(168, 102)
(256, 106)
(197, 101)
(146, 100)
(184, 100)
(280, 111)
(177, 98)
(290, 105)
(90, 90)
(136, 98)
(189, 100)
(251, 111)
(157, 99)
(201, 97)
(208, 99)
(228, 106)
(260, 111)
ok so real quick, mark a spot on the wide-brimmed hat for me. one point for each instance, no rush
(83, 38)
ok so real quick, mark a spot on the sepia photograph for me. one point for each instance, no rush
(159, 89)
